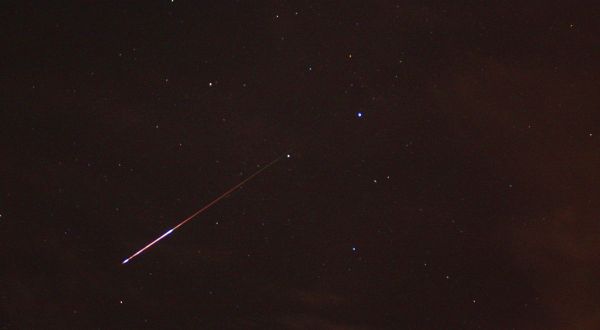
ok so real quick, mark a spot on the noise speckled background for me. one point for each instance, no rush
(444, 171)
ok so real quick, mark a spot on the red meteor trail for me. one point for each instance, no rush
(202, 210)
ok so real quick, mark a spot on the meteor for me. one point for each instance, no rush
(204, 208)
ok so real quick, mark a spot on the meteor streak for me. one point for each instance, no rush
(225, 194)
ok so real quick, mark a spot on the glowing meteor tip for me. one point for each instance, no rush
(125, 261)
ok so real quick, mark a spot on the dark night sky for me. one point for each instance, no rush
(465, 196)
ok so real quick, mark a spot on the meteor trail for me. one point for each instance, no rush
(232, 189)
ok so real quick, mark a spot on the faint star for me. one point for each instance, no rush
(359, 114)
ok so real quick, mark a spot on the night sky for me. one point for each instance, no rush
(443, 169)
